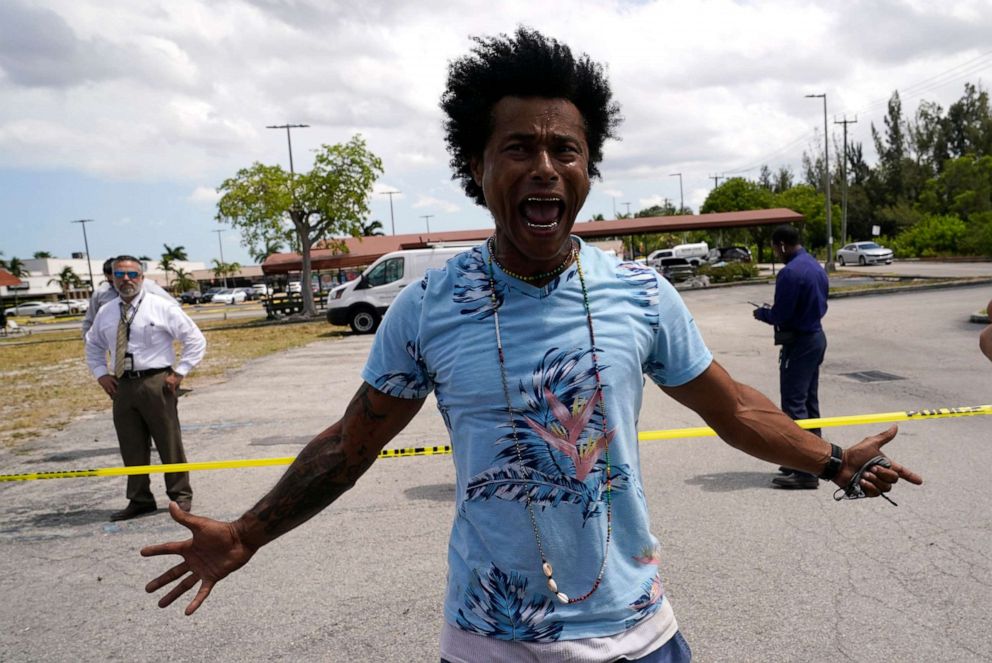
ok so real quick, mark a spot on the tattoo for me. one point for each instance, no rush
(367, 410)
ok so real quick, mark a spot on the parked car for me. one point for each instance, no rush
(229, 296)
(728, 254)
(208, 296)
(76, 305)
(676, 270)
(864, 253)
(261, 290)
(191, 297)
(250, 294)
(37, 309)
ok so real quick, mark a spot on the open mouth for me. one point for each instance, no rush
(542, 212)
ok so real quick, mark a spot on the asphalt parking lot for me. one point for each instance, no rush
(754, 574)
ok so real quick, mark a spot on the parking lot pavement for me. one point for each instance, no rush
(754, 574)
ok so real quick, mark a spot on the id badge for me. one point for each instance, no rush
(128, 362)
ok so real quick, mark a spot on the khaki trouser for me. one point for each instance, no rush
(144, 410)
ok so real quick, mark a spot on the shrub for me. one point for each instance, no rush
(732, 271)
(933, 236)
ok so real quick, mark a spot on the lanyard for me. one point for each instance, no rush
(128, 321)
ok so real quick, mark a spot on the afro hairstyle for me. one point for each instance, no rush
(527, 64)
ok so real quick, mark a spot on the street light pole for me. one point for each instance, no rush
(391, 219)
(427, 219)
(681, 196)
(86, 243)
(220, 245)
(826, 182)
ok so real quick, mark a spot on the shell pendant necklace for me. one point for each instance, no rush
(546, 566)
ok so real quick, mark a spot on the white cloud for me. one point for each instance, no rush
(433, 203)
(204, 194)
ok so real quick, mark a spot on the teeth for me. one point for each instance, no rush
(553, 224)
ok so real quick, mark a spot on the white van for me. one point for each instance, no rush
(362, 302)
(694, 253)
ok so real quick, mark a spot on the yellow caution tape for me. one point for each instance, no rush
(675, 433)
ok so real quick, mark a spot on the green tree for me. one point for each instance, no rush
(267, 247)
(42, 254)
(15, 266)
(331, 200)
(225, 269)
(170, 257)
(67, 279)
(736, 195)
(184, 281)
(372, 229)
(809, 202)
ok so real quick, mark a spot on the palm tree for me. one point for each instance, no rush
(184, 280)
(372, 229)
(170, 256)
(42, 254)
(67, 280)
(166, 263)
(224, 269)
(272, 245)
(15, 266)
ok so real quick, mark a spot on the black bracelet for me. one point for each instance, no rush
(834, 463)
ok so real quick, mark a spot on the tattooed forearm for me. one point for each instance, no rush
(329, 465)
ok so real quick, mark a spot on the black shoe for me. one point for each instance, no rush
(133, 511)
(782, 469)
(797, 482)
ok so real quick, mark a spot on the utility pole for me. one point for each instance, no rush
(826, 182)
(427, 219)
(614, 207)
(86, 243)
(843, 170)
(628, 209)
(716, 180)
(289, 141)
(220, 245)
(681, 196)
(391, 219)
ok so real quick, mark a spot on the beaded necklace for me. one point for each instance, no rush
(545, 564)
(533, 277)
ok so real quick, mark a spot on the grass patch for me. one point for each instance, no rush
(45, 384)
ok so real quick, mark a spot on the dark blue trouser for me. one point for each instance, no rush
(799, 376)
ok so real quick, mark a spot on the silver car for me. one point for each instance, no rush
(37, 309)
(864, 253)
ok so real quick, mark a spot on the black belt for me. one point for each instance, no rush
(134, 375)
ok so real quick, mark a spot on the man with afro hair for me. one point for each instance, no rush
(536, 346)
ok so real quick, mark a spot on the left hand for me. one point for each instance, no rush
(172, 381)
(877, 479)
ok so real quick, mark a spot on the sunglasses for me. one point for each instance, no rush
(130, 275)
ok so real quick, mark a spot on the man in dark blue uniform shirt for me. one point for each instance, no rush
(800, 302)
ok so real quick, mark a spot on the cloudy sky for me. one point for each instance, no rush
(131, 113)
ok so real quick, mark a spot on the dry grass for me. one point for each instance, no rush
(45, 384)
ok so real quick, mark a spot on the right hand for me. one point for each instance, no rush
(215, 551)
(109, 384)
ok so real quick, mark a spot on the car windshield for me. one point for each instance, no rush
(223, 292)
(869, 245)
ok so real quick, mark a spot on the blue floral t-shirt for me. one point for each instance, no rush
(441, 335)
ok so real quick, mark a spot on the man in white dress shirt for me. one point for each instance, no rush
(106, 293)
(137, 329)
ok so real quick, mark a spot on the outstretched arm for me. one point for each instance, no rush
(327, 467)
(748, 421)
